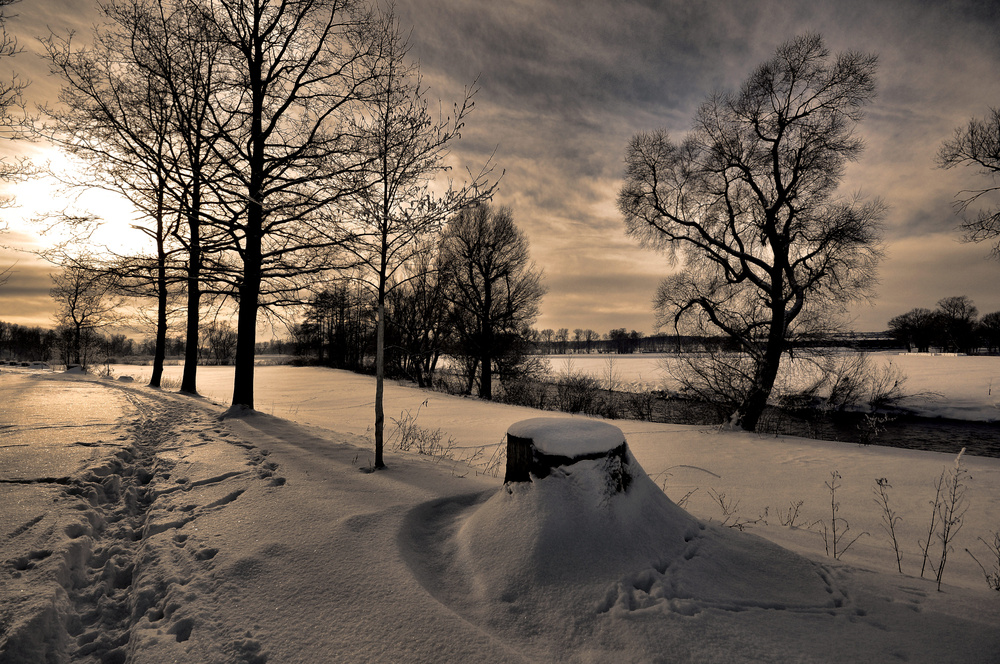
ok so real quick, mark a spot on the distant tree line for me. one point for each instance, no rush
(954, 326)
(62, 346)
(561, 341)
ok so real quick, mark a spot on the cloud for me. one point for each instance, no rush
(564, 86)
(24, 296)
(919, 271)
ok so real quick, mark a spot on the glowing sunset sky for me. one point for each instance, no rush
(565, 85)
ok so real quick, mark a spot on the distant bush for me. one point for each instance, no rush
(523, 391)
(577, 393)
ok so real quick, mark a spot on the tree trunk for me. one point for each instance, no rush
(747, 415)
(379, 382)
(77, 343)
(486, 349)
(472, 376)
(486, 379)
(246, 326)
(160, 352)
(189, 379)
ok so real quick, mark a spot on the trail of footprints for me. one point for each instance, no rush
(126, 579)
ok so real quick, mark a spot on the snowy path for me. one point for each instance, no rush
(89, 567)
(172, 536)
(181, 540)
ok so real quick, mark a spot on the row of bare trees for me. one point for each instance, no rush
(89, 345)
(561, 341)
(473, 296)
(269, 148)
(953, 326)
(265, 145)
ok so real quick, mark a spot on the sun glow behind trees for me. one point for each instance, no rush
(40, 204)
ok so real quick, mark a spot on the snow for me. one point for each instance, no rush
(559, 437)
(160, 533)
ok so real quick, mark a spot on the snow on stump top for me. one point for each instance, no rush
(538, 445)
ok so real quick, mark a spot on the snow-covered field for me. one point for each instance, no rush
(139, 527)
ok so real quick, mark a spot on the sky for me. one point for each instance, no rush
(564, 86)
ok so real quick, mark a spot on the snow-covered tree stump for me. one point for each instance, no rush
(540, 445)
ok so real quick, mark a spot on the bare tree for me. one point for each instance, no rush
(977, 144)
(916, 328)
(546, 336)
(989, 331)
(490, 280)
(417, 315)
(118, 130)
(220, 340)
(14, 121)
(562, 339)
(298, 73)
(747, 205)
(394, 210)
(86, 301)
(957, 319)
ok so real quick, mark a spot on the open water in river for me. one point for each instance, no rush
(922, 433)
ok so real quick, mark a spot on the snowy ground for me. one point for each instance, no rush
(139, 527)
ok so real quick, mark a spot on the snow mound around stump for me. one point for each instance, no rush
(625, 550)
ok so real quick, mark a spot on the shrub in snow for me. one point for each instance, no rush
(991, 571)
(578, 393)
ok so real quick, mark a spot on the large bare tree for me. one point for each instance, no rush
(491, 282)
(297, 72)
(977, 144)
(747, 206)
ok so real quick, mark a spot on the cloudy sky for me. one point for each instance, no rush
(565, 85)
